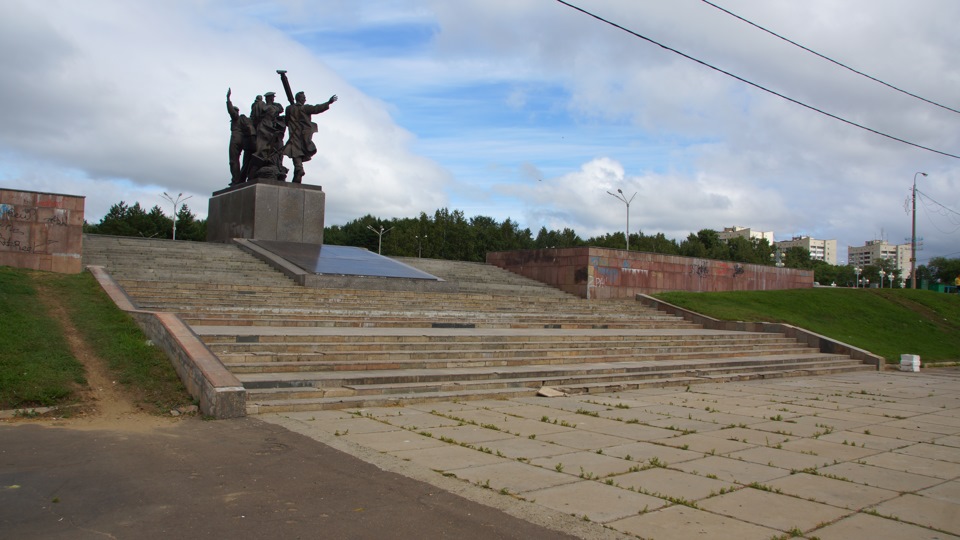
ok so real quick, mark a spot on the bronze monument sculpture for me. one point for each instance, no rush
(260, 137)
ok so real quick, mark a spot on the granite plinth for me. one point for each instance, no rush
(267, 210)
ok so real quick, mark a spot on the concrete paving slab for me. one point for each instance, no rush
(643, 452)
(877, 528)
(526, 448)
(870, 475)
(639, 431)
(683, 523)
(392, 441)
(791, 429)
(947, 491)
(685, 424)
(353, 425)
(705, 444)
(584, 440)
(418, 420)
(449, 457)
(951, 440)
(905, 434)
(828, 451)
(849, 495)
(586, 464)
(947, 419)
(852, 419)
(664, 483)
(926, 427)
(752, 437)
(597, 501)
(731, 470)
(858, 438)
(931, 451)
(444, 406)
(924, 511)
(469, 434)
(773, 510)
(914, 464)
(784, 459)
(826, 424)
(895, 409)
(526, 427)
(514, 477)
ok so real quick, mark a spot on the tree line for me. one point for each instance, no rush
(125, 220)
(449, 234)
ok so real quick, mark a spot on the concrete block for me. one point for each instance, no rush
(267, 210)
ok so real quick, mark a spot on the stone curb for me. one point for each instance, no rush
(220, 393)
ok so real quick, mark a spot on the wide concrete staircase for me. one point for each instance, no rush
(502, 335)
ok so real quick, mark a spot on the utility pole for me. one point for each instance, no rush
(913, 235)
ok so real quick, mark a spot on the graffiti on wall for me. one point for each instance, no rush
(13, 229)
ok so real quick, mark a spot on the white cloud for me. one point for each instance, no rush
(522, 108)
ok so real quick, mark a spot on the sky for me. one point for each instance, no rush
(526, 109)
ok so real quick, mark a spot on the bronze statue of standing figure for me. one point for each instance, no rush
(259, 138)
(300, 146)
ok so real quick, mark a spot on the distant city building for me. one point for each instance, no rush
(874, 250)
(744, 232)
(820, 250)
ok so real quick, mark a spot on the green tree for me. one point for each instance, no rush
(944, 270)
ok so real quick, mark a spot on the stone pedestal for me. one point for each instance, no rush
(267, 210)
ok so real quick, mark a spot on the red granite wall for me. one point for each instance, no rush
(613, 273)
(41, 231)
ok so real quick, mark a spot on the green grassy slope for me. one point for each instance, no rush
(888, 322)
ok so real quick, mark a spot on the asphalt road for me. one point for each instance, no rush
(219, 479)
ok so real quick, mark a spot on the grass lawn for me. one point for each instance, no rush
(888, 322)
(36, 365)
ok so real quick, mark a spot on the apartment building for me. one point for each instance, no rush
(745, 232)
(874, 250)
(820, 250)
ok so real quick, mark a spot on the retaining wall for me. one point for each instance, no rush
(600, 273)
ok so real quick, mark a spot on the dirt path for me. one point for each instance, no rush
(103, 403)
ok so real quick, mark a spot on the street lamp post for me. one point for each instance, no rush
(176, 202)
(419, 244)
(882, 273)
(380, 234)
(856, 271)
(619, 194)
(913, 235)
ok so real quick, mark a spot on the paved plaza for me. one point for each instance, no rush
(860, 455)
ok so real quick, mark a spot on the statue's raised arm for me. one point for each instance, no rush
(286, 85)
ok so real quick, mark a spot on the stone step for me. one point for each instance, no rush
(637, 368)
(308, 366)
(240, 348)
(293, 399)
(366, 322)
(267, 361)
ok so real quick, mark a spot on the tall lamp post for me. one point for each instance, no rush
(380, 234)
(176, 202)
(619, 194)
(856, 271)
(882, 273)
(419, 244)
(913, 235)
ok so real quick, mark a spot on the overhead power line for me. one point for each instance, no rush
(828, 59)
(755, 85)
